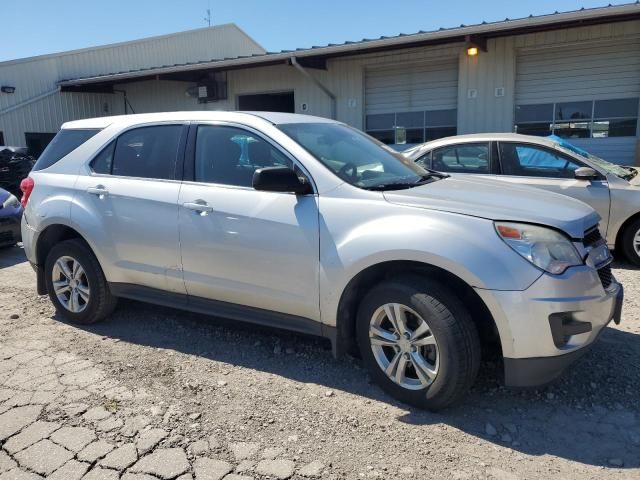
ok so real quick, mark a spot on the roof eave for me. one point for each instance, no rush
(487, 30)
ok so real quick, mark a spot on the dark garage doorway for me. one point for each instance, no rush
(37, 142)
(268, 102)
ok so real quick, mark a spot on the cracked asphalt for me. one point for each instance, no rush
(159, 393)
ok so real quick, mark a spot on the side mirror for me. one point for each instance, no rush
(585, 173)
(280, 179)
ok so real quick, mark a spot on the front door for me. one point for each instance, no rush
(239, 245)
(537, 166)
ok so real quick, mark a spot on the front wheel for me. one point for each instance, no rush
(418, 342)
(76, 284)
(631, 242)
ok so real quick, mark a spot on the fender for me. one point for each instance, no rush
(465, 246)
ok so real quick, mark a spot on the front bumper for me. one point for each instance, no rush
(550, 325)
(10, 233)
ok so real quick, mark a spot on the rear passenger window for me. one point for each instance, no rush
(467, 158)
(103, 161)
(230, 156)
(65, 142)
(146, 152)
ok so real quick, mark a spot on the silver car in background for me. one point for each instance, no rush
(552, 164)
(307, 224)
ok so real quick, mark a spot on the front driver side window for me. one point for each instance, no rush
(533, 161)
(230, 156)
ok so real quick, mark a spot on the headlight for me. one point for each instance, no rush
(545, 248)
(12, 201)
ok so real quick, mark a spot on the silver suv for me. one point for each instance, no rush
(307, 224)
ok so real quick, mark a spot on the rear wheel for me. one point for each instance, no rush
(76, 284)
(418, 342)
(631, 242)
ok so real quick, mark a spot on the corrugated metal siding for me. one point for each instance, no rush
(585, 68)
(412, 87)
(620, 150)
(35, 76)
(583, 72)
(490, 70)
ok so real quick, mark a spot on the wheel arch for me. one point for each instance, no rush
(622, 229)
(50, 236)
(374, 274)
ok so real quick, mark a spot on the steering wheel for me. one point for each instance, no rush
(353, 176)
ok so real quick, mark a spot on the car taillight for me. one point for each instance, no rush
(26, 185)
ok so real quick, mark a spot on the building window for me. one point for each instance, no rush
(584, 119)
(410, 128)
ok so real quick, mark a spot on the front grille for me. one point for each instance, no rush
(606, 277)
(592, 237)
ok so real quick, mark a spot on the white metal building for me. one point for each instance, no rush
(574, 74)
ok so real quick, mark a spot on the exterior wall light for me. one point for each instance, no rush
(7, 89)
(475, 44)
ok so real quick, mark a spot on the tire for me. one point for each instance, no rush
(628, 242)
(455, 357)
(91, 279)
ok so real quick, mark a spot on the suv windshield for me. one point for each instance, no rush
(357, 158)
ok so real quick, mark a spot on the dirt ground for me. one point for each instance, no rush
(158, 393)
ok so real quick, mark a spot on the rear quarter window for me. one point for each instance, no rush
(65, 142)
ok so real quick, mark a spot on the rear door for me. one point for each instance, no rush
(130, 199)
(538, 166)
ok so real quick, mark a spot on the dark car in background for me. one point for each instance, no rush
(10, 216)
(15, 164)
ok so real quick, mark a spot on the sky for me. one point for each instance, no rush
(35, 27)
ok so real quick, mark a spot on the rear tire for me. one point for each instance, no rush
(630, 242)
(76, 284)
(439, 364)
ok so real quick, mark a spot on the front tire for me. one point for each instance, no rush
(76, 284)
(631, 242)
(418, 342)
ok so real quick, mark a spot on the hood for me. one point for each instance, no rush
(496, 200)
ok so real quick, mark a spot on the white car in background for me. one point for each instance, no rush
(548, 163)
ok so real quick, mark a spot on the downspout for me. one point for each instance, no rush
(29, 101)
(127, 103)
(319, 84)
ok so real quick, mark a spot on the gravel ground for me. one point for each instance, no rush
(158, 393)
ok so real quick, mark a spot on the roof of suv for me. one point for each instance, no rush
(127, 120)
(479, 137)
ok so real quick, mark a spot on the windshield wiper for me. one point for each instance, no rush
(422, 180)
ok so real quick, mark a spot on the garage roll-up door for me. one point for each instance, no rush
(587, 93)
(421, 98)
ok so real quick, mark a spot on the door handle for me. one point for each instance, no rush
(198, 206)
(99, 191)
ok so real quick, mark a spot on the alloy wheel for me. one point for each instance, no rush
(636, 243)
(404, 346)
(71, 284)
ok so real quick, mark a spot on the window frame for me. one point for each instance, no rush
(543, 148)
(180, 155)
(189, 164)
(425, 127)
(553, 122)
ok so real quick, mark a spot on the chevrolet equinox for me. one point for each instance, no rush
(307, 224)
